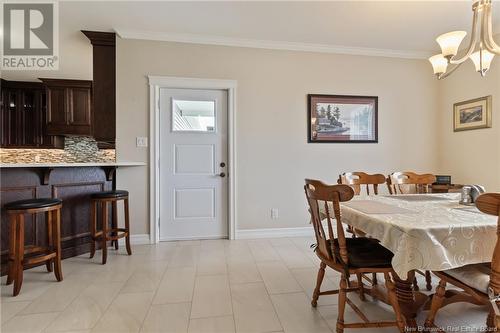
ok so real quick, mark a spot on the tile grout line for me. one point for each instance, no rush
(265, 287)
(288, 269)
(230, 291)
(194, 287)
(110, 303)
(153, 297)
(36, 298)
(309, 259)
(270, 298)
(31, 314)
(305, 293)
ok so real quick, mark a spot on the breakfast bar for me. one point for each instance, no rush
(73, 183)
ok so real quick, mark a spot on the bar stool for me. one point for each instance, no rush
(101, 199)
(34, 254)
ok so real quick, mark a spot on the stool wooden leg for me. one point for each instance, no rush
(56, 220)
(104, 235)
(19, 254)
(127, 227)
(374, 279)
(114, 221)
(428, 280)
(49, 239)
(93, 224)
(12, 248)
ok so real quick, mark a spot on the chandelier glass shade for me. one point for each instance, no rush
(482, 47)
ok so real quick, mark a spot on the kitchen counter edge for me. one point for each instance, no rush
(70, 165)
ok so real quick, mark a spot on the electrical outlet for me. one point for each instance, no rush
(275, 213)
(141, 141)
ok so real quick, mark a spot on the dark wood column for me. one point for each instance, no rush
(104, 92)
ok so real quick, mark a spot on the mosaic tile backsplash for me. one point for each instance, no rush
(77, 149)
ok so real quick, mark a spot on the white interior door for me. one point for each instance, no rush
(193, 164)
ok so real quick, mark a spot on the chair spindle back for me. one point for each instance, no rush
(410, 182)
(357, 179)
(328, 197)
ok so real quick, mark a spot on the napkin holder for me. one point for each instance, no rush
(470, 194)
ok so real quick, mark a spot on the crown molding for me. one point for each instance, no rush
(268, 44)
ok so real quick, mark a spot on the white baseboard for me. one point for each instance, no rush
(275, 232)
(240, 234)
(191, 238)
(139, 239)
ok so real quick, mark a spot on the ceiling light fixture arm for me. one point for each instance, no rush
(487, 32)
(472, 44)
(448, 73)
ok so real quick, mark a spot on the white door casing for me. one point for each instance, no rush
(155, 84)
(193, 169)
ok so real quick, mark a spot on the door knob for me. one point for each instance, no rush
(222, 164)
(222, 174)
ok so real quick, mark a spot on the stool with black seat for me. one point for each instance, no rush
(19, 257)
(100, 200)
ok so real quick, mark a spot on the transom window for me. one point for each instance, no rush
(193, 116)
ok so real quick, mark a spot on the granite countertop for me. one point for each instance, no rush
(70, 165)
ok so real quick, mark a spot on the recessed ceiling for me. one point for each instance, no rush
(408, 26)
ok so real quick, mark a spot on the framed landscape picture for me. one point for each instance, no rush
(342, 119)
(472, 114)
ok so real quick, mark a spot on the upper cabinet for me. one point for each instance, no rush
(39, 114)
(23, 115)
(69, 107)
(104, 80)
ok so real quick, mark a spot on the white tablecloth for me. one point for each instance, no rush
(435, 235)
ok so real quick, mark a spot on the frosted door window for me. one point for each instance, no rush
(193, 116)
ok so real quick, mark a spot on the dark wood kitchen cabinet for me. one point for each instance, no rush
(69, 106)
(23, 115)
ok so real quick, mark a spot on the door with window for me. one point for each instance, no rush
(193, 164)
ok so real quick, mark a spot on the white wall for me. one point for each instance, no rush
(273, 154)
(472, 157)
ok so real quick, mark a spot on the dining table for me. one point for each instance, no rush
(425, 232)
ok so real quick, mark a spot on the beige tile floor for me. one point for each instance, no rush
(207, 286)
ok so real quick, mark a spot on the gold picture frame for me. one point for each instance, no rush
(472, 114)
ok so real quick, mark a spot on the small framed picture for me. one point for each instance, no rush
(472, 114)
(342, 119)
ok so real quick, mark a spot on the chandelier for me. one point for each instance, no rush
(482, 47)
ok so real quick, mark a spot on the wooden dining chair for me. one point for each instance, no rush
(358, 180)
(362, 182)
(479, 282)
(409, 182)
(348, 256)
